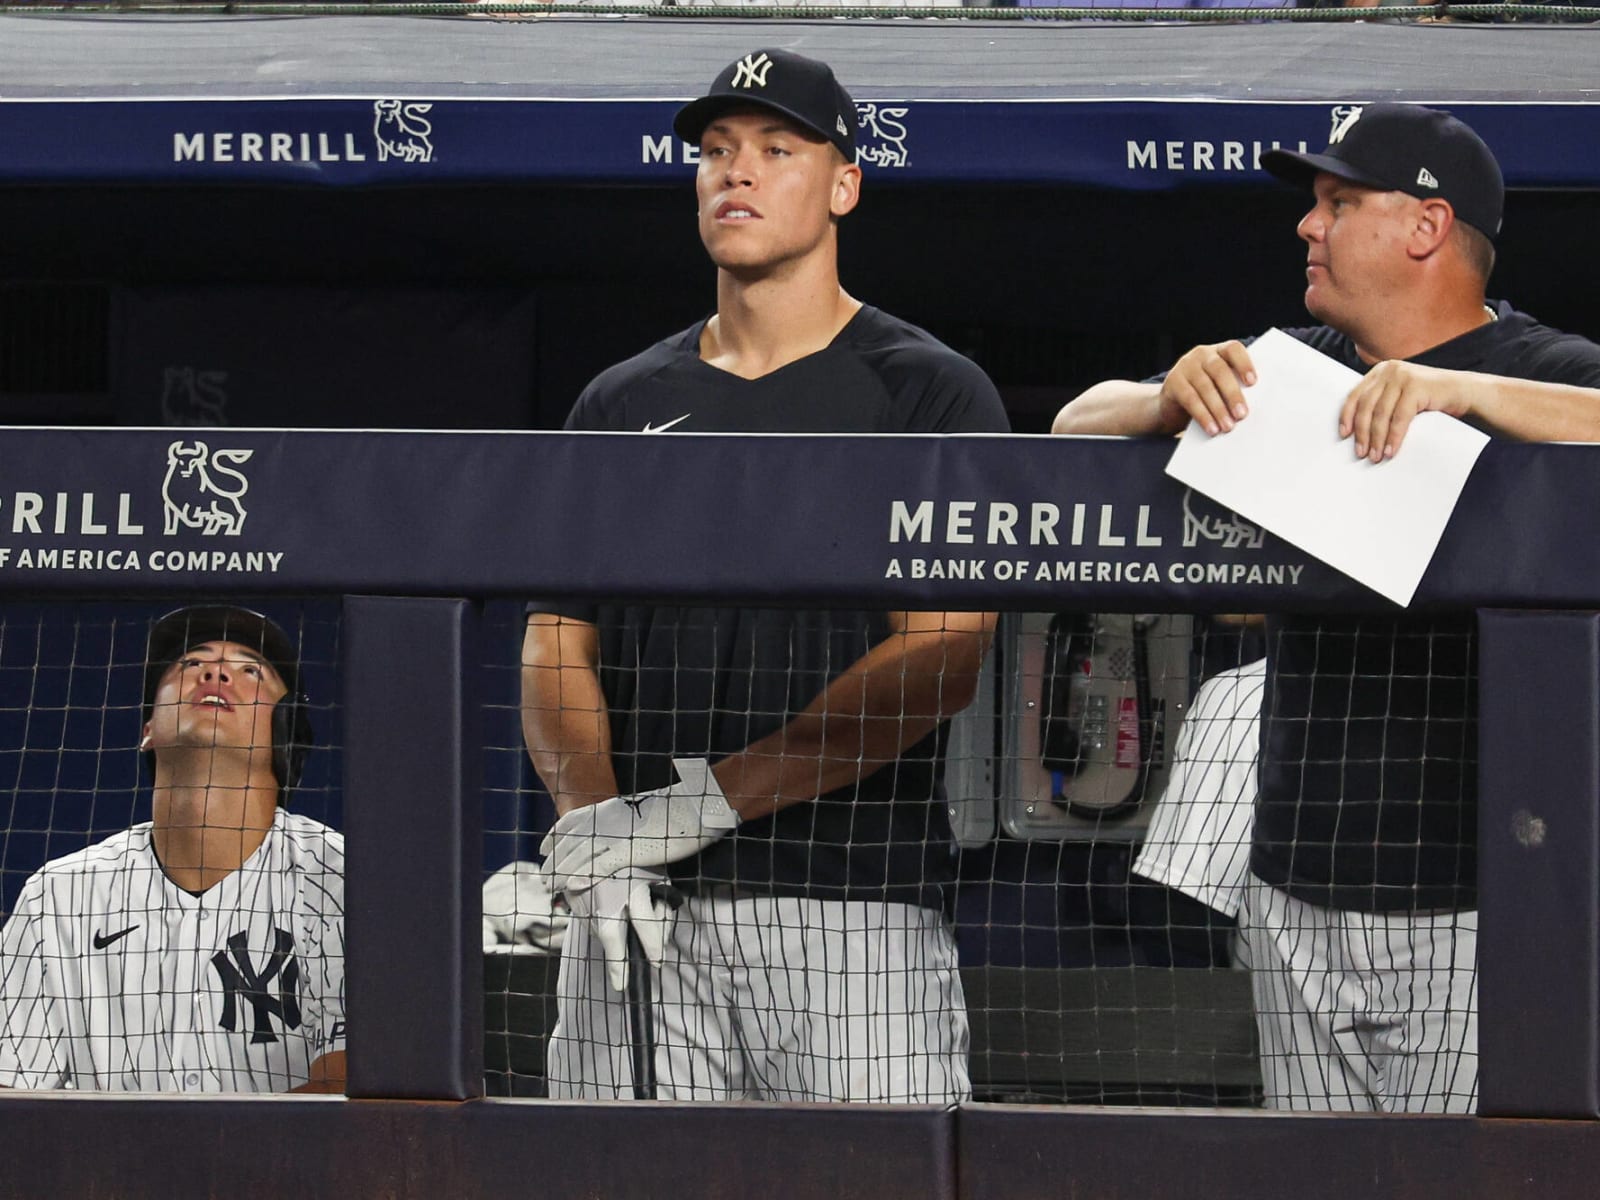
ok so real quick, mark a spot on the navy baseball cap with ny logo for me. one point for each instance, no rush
(1424, 152)
(801, 88)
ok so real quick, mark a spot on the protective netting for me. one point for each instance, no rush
(1047, 917)
(1049, 896)
(1200, 11)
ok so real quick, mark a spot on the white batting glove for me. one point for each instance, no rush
(650, 829)
(614, 903)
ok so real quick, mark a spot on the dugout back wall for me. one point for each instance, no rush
(386, 222)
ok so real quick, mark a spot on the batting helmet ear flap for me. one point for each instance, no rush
(292, 739)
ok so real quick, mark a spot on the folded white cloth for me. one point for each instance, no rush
(519, 910)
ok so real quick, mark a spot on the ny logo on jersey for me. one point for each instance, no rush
(240, 980)
(751, 71)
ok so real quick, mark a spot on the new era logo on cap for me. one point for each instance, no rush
(1425, 179)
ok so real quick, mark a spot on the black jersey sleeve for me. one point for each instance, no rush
(1550, 356)
(960, 398)
(937, 390)
(596, 408)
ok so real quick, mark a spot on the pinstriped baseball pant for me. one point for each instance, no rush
(1363, 1012)
(777, 998)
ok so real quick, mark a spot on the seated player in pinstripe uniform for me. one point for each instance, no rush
(1360, 915)
(201, 951)
(1198, 840)
(813, 958)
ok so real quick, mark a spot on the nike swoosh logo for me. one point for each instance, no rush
(101, 942)
(649, 428)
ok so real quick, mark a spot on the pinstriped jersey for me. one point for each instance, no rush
(1199, 836)
(113, 978)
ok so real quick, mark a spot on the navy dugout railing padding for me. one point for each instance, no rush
(1234, 1154)
(1017, 522)
(171, 1149)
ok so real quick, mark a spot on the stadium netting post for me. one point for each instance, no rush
(1539, 852)
(413, 809)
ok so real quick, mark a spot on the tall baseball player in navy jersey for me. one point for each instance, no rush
(1360, 914)
(201, 951)
(803, 816)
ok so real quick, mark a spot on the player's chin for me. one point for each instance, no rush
(207, 719)
(214, 730)
(731, 244)
(1320, 305)
(741, 262)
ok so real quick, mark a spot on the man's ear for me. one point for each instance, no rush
(1435, 219)
(846, 190)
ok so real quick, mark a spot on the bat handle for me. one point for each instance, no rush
(641, 1019)
(663, 892)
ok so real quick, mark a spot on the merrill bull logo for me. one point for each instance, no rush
(402, 131)
(1232, 531)
(883, 141)
(193, 397)
(203, 489)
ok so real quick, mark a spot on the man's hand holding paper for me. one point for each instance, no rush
(1379, 409)
(1207, 385)
(1288, 468)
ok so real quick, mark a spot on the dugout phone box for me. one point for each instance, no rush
(1089, 708)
